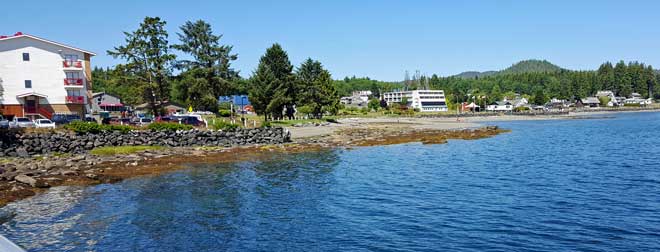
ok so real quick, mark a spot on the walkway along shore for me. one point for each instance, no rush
(28, 176)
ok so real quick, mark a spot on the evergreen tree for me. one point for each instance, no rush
(148, 61)
(262, 88)
(606, 77)
(209, 74)
(316, 88)
(622, 79)
(651, 81)
(277, 61)
(496, 93)
(539, 97)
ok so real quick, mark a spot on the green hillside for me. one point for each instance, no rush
(474, 74)
(525, 66)
(531, 66)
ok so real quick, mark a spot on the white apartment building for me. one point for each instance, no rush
(41, 77)
(424, 100)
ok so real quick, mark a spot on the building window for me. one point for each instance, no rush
(26, 57)
(28, 84)
(73, 75)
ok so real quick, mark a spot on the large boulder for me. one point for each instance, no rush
(26, 180)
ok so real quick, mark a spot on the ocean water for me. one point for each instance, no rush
(572, 185)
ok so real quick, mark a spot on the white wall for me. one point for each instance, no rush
(44, 69)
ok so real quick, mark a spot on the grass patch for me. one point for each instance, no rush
(122, 150)
(293, 122)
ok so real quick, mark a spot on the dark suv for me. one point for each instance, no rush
(60, 119)
(191, 120)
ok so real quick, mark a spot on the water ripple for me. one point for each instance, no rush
(589, 185)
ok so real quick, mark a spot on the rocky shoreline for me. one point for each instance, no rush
(22, 177)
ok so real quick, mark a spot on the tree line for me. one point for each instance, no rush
(147, 75)
(623, 79)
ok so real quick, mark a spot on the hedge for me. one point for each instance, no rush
(163, 126)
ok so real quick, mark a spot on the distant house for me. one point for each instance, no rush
(559, 104)
(500, 106)
(104, 102)
(519, 102)
(358, 98)
(169, 107)
(591, 102)
(620, 100)
(346, 100)
(638, 101)
(610, 95)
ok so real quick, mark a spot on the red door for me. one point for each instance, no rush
(30, 106)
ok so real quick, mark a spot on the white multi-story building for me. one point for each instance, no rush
(41, 77)
(424, 100)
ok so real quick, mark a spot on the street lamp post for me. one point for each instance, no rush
(243, 98)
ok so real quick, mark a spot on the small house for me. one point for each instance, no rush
(500, 106)
(591, 102)
(104, 102)
(169, 107)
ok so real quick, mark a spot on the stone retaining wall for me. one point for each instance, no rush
(23, 144)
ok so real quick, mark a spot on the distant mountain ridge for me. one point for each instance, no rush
(525, 66)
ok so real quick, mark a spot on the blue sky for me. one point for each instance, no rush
(379, 39)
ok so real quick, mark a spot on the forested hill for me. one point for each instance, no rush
(531, 66)
(474, 74)
(525, 66)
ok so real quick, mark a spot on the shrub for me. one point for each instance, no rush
(225, 112)
(604, 100)
(520, 109)
(90, 127)
(364, 110)
(266, 124)
(632, 105)
(163, 126)
(331, 120)
(222, 125)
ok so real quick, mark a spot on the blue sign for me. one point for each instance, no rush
(236, 99)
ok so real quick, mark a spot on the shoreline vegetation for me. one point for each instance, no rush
(113, 164)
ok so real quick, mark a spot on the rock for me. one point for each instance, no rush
(22, 152)
(69, 173)
(9, 176)
(26, 180)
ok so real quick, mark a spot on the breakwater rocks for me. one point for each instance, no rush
(25, 144)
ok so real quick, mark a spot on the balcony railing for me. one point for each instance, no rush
(73, 82)
(75, 100)
(72, 64)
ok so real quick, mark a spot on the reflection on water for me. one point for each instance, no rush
(586, 185)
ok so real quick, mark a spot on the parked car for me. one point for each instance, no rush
(61, 119)
(90, 119)
(143, 121)
(21, 122)
(191, 120)
(4, 123)
(167, 119)
(44, 123)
